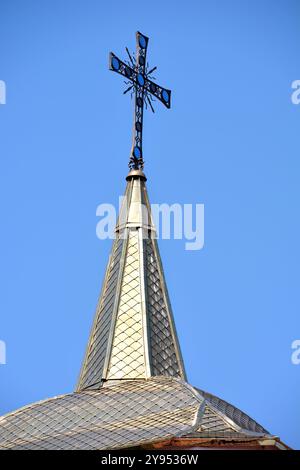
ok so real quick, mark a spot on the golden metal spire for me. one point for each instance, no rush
(133, 336)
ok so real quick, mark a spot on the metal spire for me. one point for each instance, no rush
(133, 336)
(138, 77)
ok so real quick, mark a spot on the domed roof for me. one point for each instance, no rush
(123, 415)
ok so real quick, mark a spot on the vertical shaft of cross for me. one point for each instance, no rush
(139, 79)
(136, 157)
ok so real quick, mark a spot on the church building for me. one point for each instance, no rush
(133, 391)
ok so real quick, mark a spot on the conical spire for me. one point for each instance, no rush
(133, 335)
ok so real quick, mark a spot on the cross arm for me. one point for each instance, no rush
(117, 65)
(162, 94)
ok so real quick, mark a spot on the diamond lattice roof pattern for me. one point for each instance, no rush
(126, 414)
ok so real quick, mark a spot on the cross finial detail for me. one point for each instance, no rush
(140, 81)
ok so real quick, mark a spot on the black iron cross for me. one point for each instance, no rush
(139, 79)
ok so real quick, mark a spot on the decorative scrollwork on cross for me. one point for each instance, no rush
(140, 80)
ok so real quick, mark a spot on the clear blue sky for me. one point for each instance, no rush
(230, 141)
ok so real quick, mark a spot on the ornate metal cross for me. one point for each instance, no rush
(138, 76)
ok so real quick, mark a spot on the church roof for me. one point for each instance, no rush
(123, 415)
(132, 388)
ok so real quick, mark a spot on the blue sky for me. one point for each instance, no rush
(230, 141)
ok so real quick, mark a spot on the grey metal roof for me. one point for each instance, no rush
(239, 417)
(125, 414)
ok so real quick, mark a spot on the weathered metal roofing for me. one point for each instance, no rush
(239, 417)
(124, 414)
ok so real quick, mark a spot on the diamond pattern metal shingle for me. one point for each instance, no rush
(164, 357)
(128, 413)
(124, 415)
(92, 370)
(128, 356)
(212, 421)
(233, 413)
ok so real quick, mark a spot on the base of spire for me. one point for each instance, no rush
(136, 174)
